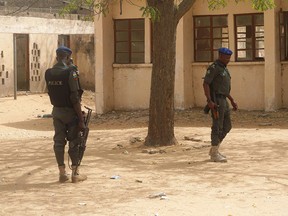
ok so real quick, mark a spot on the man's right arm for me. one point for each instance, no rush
(207, 90)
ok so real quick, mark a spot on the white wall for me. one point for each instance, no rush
(132, 86)
(46, 45)
(6, 60)
(30, 25)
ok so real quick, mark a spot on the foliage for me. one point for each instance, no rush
(102, 7)
(263, 5)
(260, 5)
(216, 4)
(151, 12)
(74, 5)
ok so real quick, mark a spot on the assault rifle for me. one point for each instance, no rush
(84, 136)
(215, 111)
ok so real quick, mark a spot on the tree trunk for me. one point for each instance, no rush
(161, 109)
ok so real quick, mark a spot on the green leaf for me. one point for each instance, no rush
(216, 4)
(263, 5)
(150, 12)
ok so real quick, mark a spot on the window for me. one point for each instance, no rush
(210, 33)
(129, 40)
(249, 34)
(64, 40)
(284, 35)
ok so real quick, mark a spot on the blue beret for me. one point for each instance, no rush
(64, 49)
(225, 51)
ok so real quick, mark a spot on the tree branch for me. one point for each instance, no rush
(183, 7)
(20, 8)
(81, 6)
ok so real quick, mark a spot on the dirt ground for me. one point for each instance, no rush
(126, 178)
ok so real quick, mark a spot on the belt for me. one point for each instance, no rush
(63, 107)
(220, 96)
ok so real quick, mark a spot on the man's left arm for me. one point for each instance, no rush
(76, 99)
(233, 103)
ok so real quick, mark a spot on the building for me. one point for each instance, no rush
(29, 37)
(258, 66)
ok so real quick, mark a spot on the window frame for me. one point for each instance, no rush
(129, 41)
(253, 39)
(64, 40)
(283, 56)
(213, 51)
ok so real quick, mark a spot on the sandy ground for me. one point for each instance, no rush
(253, 182)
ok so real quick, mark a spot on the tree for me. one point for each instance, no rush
(161, 110)
(165, 15)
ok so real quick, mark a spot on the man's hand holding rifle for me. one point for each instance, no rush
(214, 108)
(84, 135)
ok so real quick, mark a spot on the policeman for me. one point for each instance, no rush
(217, 86)
(65, 95)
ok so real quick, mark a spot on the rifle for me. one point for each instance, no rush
(215, 111)
(83, 136)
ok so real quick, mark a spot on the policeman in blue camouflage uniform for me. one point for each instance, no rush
(217, 86)
(65, 95)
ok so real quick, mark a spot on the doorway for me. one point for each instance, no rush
(22, 61)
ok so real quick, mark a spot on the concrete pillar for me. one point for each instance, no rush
(148, 41)
(184, 95)
(104, 54)
(272, 78)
